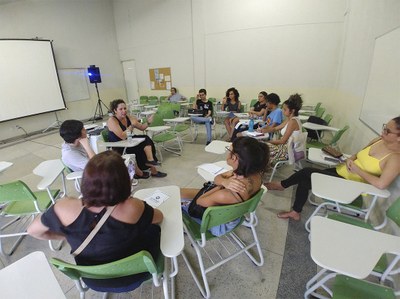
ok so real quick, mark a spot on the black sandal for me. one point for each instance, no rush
(159, 174)
(145, 175)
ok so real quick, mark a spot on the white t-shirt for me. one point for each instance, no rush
(295, 132)
(74, 157)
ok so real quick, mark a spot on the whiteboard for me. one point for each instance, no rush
(382, 97)
(29, 82)
(73, 84)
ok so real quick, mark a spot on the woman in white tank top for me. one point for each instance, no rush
(290, 127)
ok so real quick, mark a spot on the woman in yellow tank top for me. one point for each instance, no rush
(377, 164)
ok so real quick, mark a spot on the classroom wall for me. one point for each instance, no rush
(281, 46)
(83, 33)
(365, 21)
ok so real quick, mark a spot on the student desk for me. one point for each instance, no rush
(30, 277)
(4, 165)
(209, 173)
(172, 241)
(317, 127)
(339, 192)
(346, 249)
(217, 147)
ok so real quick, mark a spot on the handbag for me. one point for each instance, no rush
(94, 231)
(194, 209)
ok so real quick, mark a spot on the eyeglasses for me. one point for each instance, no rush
(387, 131)
(228, 148)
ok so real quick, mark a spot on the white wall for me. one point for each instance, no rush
(365, 21)
(283, 46)
(83, 33)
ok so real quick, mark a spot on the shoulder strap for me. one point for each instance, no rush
(94, 231)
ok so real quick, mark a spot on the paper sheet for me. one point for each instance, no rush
(156, 199)
(212, 168)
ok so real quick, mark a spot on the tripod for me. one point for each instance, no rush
(98, 113)
(55, 124)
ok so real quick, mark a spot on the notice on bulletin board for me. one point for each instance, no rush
(160, 78)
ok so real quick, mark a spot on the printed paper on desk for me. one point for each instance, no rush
(212, 168)
(156, 199)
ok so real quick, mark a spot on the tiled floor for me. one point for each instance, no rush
(238, 279)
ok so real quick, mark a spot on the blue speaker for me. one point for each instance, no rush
(94, 74)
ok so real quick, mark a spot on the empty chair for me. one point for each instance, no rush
(332, 142)
(21, 205)
(153, 100)
(328, 118)
(317, 106)
(319, 112)
(144, 100)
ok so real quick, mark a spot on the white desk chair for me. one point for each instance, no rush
(296, 151)
(339, 193)
(30, 277)
(50, 170)
(342, 248)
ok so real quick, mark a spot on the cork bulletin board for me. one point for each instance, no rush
(160, 78)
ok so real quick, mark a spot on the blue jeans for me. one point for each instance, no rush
(207, 122)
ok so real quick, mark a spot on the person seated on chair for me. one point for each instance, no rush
(257, 111)
(290, 127)
(175, 97)
(249, 161)
(207, 107)
(273, 119)
(377, 164)
(120, 125)
(130, 228)
(76, 150)
(232, 104)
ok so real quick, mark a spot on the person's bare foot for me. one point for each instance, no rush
(289, 215)
(274, 186)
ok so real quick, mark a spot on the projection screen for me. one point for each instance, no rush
(29, 82)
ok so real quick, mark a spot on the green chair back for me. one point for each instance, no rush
(218, 215)
(192, 100)
(16, 191)
(144, 100)
(213, 100)
(104, 135)
(153, 100)
(345, 287)
(164, 111)
(22, 201)
(393, 212)
(138, 263)
(338, 135)
(317, 106)
(319, 112)
(328, 118)
(253, 102)
(163, 99)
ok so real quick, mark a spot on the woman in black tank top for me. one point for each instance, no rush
(249, 160)
(119, 125)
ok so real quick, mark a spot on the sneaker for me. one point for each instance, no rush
(159, 174)
(208, 142)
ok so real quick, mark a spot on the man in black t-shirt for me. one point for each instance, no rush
(207, 108)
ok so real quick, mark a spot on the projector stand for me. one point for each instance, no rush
(54, 125)
(98, 113)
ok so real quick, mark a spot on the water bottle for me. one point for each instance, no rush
(219, 106)
(129, 136)
(251, 125)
